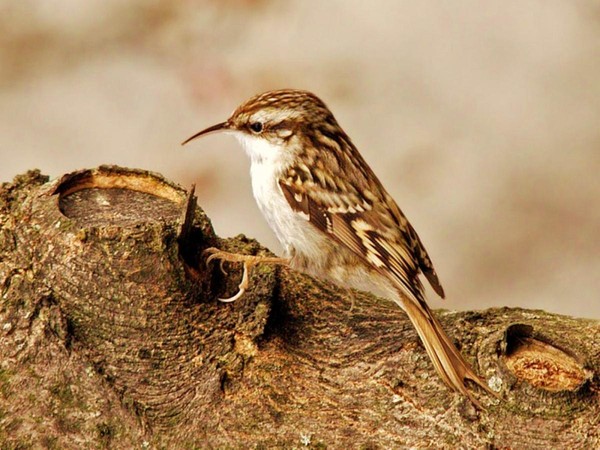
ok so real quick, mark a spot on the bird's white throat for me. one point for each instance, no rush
(292, 229)
(260, 150)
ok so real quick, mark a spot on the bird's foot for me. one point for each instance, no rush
(247, 260)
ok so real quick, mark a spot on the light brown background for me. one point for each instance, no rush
(481, 118)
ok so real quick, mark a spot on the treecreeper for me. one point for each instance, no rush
(334, 218)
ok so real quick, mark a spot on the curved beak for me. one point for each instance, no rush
(218, 127)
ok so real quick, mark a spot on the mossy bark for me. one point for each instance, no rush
(111, 336)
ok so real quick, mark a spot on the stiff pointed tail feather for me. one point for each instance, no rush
(447, 360)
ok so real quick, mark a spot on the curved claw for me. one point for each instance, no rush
(248, 261)
(243, 286)
(239, 294)
(213, 254)
(223, 271)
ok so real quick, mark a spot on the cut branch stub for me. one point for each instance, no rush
(541, 363)
(109, 247)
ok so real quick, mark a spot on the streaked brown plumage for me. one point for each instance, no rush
(333, 217)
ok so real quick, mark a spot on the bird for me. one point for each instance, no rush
(333, 217)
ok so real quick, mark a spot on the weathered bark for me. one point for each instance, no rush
(111, 335)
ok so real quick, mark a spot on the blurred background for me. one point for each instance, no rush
(481, 119)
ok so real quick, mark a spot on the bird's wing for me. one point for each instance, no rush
(418, 249)
(366, 221)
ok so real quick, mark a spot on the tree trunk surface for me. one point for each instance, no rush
(111, 336)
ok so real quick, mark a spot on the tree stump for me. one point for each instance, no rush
(112, 336)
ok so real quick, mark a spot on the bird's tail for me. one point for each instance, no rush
(447, 360)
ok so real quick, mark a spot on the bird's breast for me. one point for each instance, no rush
(293, 230)
(311, 251)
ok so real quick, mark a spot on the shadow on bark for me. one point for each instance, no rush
(112, 336)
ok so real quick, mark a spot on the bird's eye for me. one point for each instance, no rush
(256, 127)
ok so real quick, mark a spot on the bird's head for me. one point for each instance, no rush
(275, 124)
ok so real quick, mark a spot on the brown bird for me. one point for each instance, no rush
(333, 217)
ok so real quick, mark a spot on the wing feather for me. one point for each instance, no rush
(376, 231)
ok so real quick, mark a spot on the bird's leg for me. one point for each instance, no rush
(247, 260)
